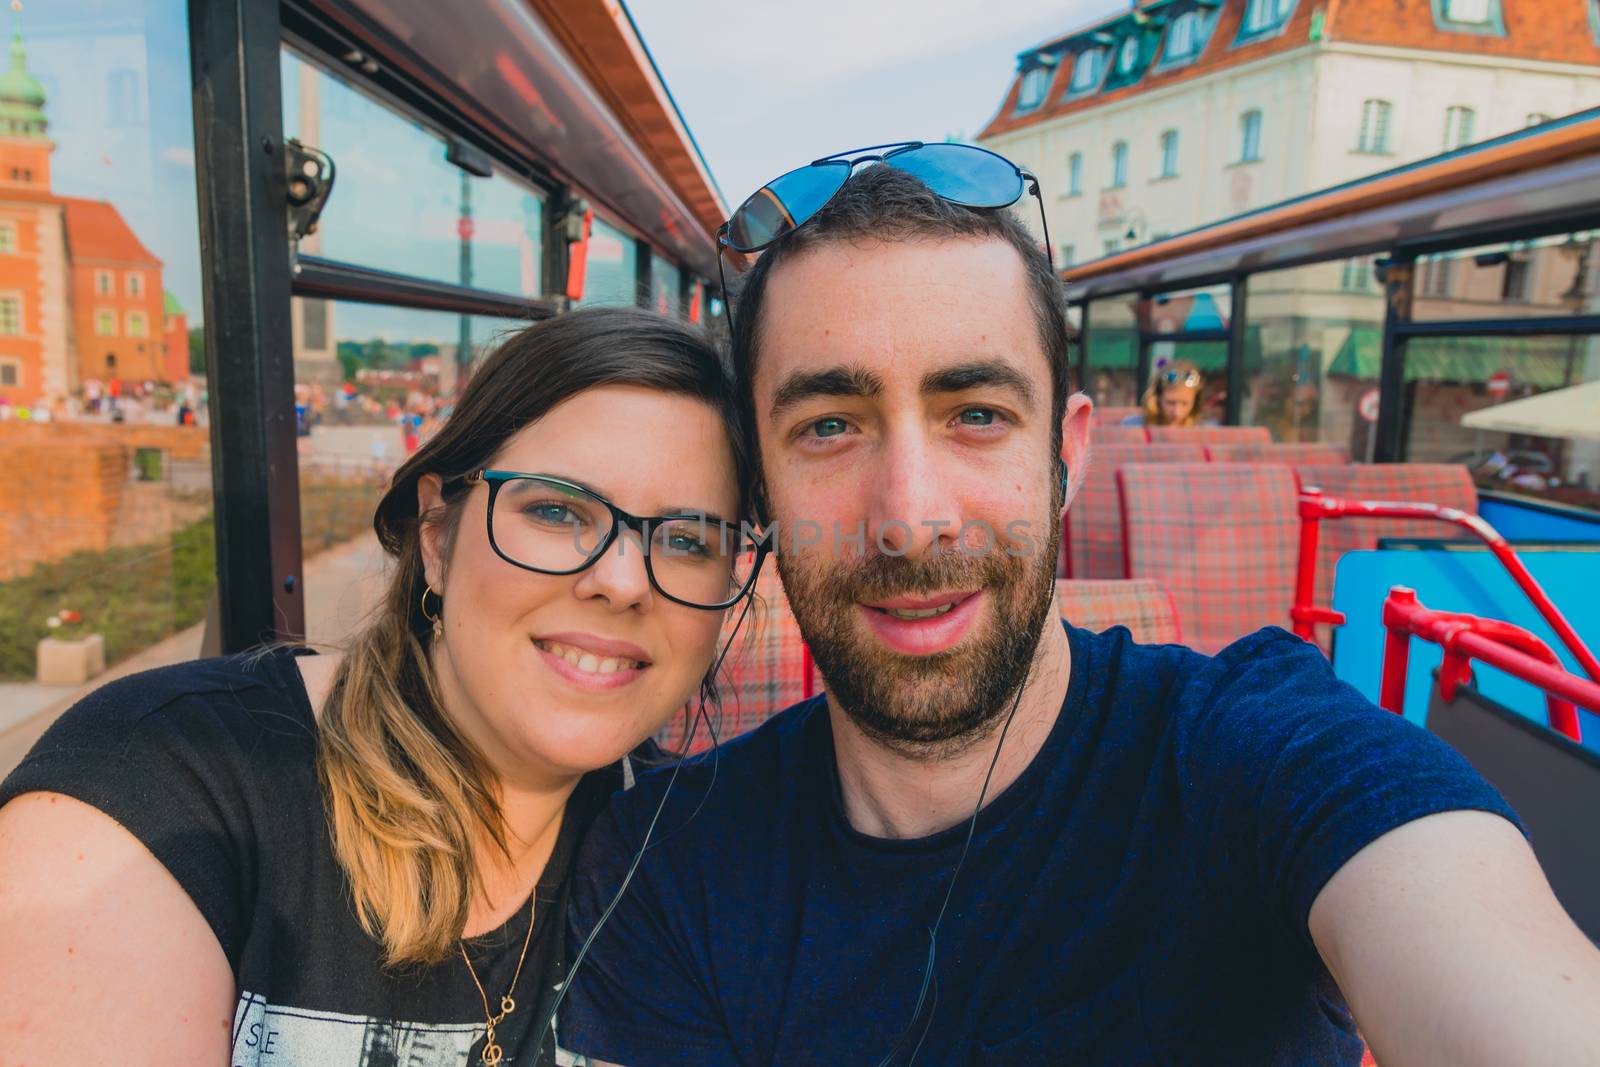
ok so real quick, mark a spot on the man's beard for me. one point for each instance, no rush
(936, 705)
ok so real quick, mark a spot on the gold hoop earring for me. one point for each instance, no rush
(436, 618)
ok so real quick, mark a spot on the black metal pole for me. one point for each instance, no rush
(464, 332)
(1083, 350)
(1238, 289)
(644, 280)
(1141, 316)
(1392, 414)
(238, 140)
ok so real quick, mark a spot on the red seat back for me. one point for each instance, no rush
(1222, 537)
(1296, 454)
(1445, 484)
(1109, 416)
(1143, 606)
(1102, 434)
(1212, 435)
(1091, 532)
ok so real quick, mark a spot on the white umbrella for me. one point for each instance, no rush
(1570, 412)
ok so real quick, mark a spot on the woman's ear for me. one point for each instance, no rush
(430, 515)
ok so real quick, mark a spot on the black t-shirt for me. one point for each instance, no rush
(211, 765)
(1138, 895)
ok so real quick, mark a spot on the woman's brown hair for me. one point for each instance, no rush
(407, 795)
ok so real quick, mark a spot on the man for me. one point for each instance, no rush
(1178, 858)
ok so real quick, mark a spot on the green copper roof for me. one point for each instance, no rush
(21, 95)
(171, 303)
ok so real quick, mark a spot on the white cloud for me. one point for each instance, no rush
(178, 155)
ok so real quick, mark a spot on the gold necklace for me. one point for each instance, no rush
(493, 1054)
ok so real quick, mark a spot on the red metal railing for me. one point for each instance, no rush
(1467, 637)
(1314, 507)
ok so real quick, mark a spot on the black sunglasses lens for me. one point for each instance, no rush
(962, 174)
(784, 203)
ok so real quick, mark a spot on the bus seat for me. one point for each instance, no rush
(1144, 606)
(1112, 416)
(1296, 454)
(1211, 435)
(1102, 434)
(1551, 782)
(1445, 484)
(1091, 530)
(1222, 537)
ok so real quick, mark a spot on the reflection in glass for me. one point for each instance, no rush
(665, 295)
(398, 204)
(1113, 346)
(611, 275)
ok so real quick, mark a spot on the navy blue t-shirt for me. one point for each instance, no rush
(1138, 895)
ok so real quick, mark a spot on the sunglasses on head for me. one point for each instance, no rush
(961, 174)
(1181, 377)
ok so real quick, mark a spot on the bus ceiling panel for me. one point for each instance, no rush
(499, 66)
(1527, 203)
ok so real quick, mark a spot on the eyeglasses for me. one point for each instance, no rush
(551, 526)
(1181, 377)
(961, 174)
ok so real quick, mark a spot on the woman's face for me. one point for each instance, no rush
(510, 635)
(1177, 401)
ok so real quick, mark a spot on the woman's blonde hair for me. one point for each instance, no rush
(408, 796)
(1153, 415)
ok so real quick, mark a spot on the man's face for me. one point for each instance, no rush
(903, 405)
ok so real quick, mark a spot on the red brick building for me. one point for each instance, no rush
(80, 294)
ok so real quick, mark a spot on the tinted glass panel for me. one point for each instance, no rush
(611, 275)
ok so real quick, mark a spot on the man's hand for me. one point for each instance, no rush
(1451, 949)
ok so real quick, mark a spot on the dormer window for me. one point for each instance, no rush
(1471, 11)
(1035, 83)
(1128, 56)
(1086, 70)
(1182, 37)
(1469, 16)
(1263, 17)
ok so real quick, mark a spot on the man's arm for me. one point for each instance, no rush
(1451, 948)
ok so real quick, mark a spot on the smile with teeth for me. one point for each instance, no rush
(918, 613)
(588, 661)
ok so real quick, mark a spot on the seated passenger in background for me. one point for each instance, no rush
(998, 839)
(1173, 398)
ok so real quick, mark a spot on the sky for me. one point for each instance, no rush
(766, 86)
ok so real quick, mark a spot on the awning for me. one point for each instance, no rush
(1117, 348)
(1570, 412)
(1540, 362)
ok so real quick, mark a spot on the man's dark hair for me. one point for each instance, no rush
(885, 204)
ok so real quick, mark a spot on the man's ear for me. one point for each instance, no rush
(1075, 441)
(430, 510)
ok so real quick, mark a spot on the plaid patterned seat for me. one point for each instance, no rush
(1296, 454)
(764, 672)
(1222, 537)
(1143, 606)
(1445, 484)
(1091, 531)
(1102, 434)
(1114, 416)
(1212, 435)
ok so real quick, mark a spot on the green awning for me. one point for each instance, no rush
(1540, 362)
(1117, 348)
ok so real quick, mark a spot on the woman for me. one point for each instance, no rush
(293, 859)
(1173, 398)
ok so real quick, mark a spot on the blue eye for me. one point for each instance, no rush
(977, 417)
(829, 427)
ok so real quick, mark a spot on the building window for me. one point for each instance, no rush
(1438, 272)
(104, 283)
(1183, 39)
(105, 322)
(1473, 12)
(1458, 127)
(1128, 55)
(10, 373)
(10, 315)
(1169, 154)
(1357, 275)
(138, 324)
(314, 323)
(1075, 174)
(1536, 118)
(1035, 83)
(1086, 69)
(8, 237)
(1264, 16)
(1112, 245)
(1249, 136)
(1514, 286)
(1119, 165)
(135, 283)
(1069, 255)
(1374, 127)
